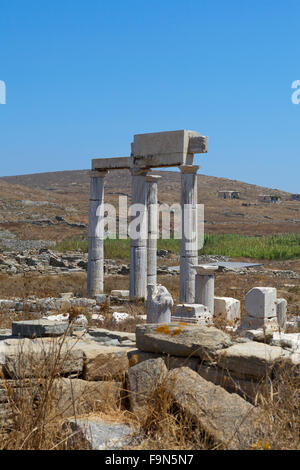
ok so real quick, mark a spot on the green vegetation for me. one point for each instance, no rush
(114, 248)
(277, 247)
(285, 246)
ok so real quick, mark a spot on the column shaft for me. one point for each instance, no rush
(189, 237)
(152, 207)
(95, 277)
(138, 235)
(205, 289)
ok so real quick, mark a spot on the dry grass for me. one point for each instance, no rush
(34, 284)
(163, 426)
(34, 399)
(33, 418)
(35, 422)
(280, 405)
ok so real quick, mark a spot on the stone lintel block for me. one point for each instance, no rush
(260, 302)
(111, 163)
(156, 143)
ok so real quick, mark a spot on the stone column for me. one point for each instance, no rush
(205, 286)
(138, 241)
(152, 207)
(95, 277)
(189, 237)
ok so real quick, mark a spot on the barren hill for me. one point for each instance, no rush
(53, 206)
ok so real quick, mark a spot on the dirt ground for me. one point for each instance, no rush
(279, 274)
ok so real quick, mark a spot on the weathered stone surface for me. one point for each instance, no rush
(103, 362)
(120, 293)
(287, 340)
(169, 148)
(179, 339)
(39, 328)
(252, 323)
(142, 379)
(197, 312)
(226, 418)
(100, 334)
(261, 335)
(228, 309)
(260, 302)
(86, 357)
(158, 305)
(101, 435)
(100, 298)
(251, 359)
(120, 317)
(281, 313)
(246, 388)
(136, 357)
(38, 357)
(76, 397)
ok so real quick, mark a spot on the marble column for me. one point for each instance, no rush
(95, 277)
(152, 207)
(205, 286)
(138, 235)
(189, 236)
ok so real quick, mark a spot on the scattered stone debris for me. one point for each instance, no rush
(45, 261)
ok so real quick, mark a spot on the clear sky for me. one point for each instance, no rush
(83, 76)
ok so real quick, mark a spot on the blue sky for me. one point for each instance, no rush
(83, 76)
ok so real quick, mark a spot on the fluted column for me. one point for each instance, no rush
(138, 241)
(152, 207)
(189, 237)
(95, 277)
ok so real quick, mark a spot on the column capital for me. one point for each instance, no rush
(139, 171)
(206, 269)
(153, 178)
(189, 169)
(98, 173)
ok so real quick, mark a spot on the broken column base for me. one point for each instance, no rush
(193, 313)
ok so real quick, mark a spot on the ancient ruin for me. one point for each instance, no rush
(155, 150)
(198, 302)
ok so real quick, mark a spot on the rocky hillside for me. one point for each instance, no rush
(54, 206)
